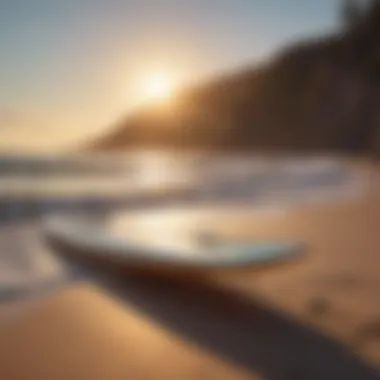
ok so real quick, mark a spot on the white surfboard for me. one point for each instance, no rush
(92, 242)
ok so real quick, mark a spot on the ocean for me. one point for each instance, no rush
(159, 195)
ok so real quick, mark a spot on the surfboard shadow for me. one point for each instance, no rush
(244, 331)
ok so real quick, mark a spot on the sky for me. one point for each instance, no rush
(69, 68)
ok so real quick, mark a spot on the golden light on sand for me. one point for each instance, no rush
(157, 86)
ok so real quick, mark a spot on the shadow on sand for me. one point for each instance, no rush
(241, 330)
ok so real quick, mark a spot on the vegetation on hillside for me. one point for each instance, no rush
(315, 95)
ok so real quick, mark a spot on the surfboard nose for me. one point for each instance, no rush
(259, 252)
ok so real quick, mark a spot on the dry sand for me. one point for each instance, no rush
(318, 318)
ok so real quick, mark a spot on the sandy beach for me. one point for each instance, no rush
(317, 318)
(190, 190)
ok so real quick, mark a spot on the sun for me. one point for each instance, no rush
(157, 86)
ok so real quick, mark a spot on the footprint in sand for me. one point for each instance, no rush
(369, 331)
(367, 339)
(318, 307)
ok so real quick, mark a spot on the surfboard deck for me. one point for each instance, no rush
(70, 237)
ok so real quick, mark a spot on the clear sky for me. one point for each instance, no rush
(72, 66)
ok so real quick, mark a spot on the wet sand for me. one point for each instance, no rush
(318, 318)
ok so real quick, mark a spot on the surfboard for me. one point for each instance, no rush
(96, 244)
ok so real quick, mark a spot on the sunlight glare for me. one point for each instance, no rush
(158, 86)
